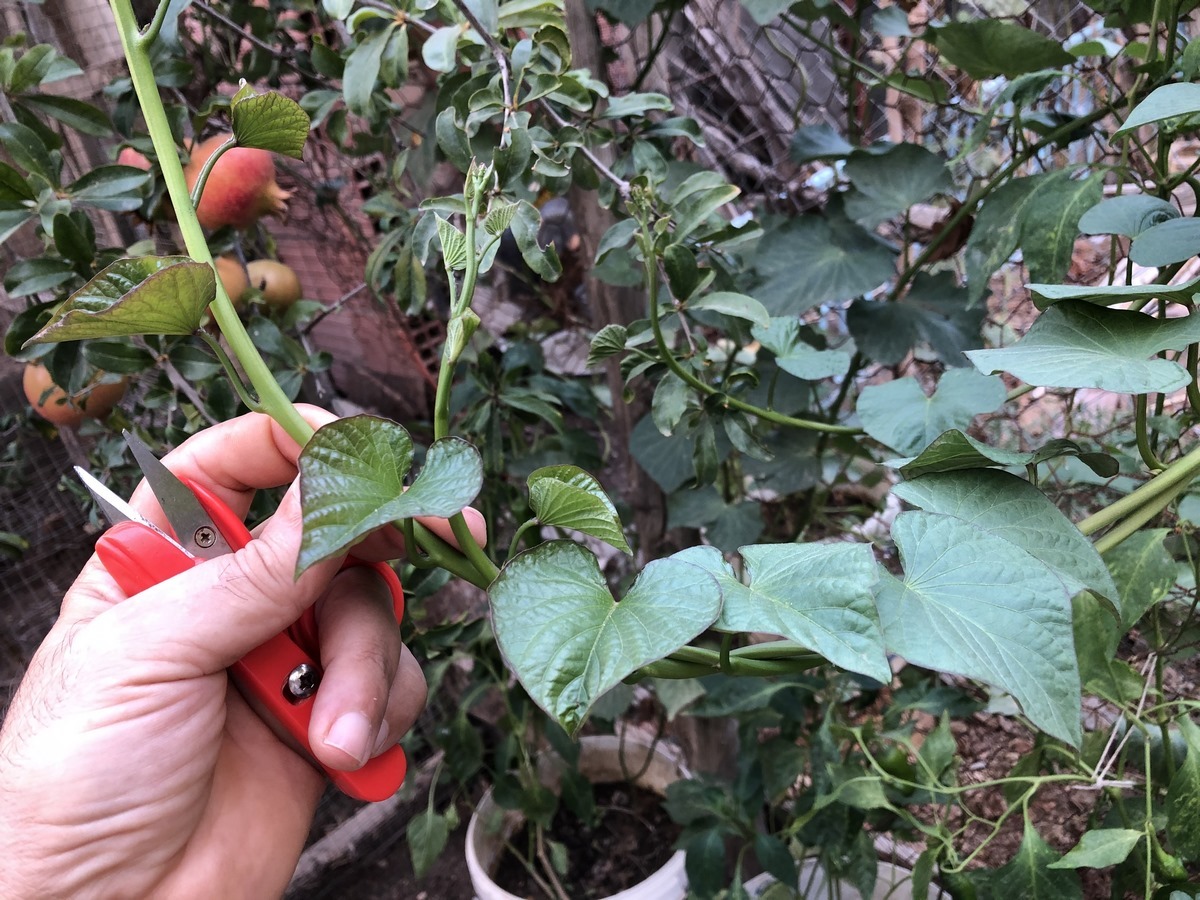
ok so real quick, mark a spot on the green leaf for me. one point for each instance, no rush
(526, 224)
(32, 276)
(733, 304)
(1128, 214)
(137, 295)
(499, 217)
(887, 184)
(1013, 509)
(763, 12)
(974, 604)
(725, 525)
(813, 142)
(1096, 642)
(636, 105)
(813, 260)
(1045, 295)
(1099, 849)
(1183, 797)
(898, 414)
(440, 49)
(1040, 214)
(454, 244)
(1030, 875)
(14, 190)
(83, 117)
(269, 121)
(934, 311)
(609, 341)
(954, 450)
(693, 210)
(1079, 345)
(362, 69)
(29, 152)
(116, 188)
(669, 403)
(819, 595)
(630, 12)
(352, 481)
(1144, 573)
(1169, 242)
(986, 48)
(773, 855)
(568, 497)
(797, 357)
(427, 833)
(569, 642)
(1166, 102)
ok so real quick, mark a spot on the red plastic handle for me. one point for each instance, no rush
(138, 558)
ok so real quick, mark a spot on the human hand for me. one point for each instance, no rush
(129, 765)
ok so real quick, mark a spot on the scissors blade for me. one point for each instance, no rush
(115, 509)
(179, 504)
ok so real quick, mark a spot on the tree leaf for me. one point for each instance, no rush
(525, 226)
(733, 304)
(819, 595)
(1045, 295)
(935, 310)
(954, 450)
(362, 69)
(1183, 796)
(568, 497)
(813, 142)
(1166, 102)
(427, 833)
(29, 152)
(1080, 345)
(669, 403)
(1128, 214)
(569, 642)
(116, 188)
(1030, 875)
(269, 121)
(815, 259)
(83, 117)
(898, 414)
(795, 355)
(135, 295)
(1013, 509)
(888, 183)
(352, 481)
(440, 49)
(974, 604)
(1172, 241)
(1099, 849)
(985, 48)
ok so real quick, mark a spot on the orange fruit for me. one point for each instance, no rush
(279, 284)
(52, 403)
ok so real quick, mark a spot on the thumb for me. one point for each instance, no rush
(206, 618)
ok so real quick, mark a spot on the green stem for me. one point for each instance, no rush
(272, 398)
(516, 541)
(1178, 473)
(1153, 463)
(443, 555)
(150, 34)
(471, 549)
(690, 379)
(231, 372)
(209, 164)
(1134, 522)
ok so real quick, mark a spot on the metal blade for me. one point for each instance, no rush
(115, 509)
(179, 504)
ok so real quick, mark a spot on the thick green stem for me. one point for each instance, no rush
(1149, 495)
(1141, 431)
(209, 164)
(271, 396)
(150, 35)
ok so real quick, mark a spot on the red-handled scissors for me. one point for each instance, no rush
(280, 677)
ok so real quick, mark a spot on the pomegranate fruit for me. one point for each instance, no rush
(233, 278)
(241, 187)
(54, 405)
(130, 157)
(279, 284)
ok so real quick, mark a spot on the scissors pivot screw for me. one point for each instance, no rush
(205, 537)
(301, 683)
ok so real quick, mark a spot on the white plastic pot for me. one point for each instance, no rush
(599, 762)
(892, 882)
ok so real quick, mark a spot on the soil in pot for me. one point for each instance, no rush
(633, 838)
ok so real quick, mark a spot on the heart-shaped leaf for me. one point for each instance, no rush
(974, 604)
(136, 295)
(269, 121)
(569, 642)
(795, 355)
(1166, 102)
(819, 595)
(899, 414)
(954, 450)
(1012, 508)
(1129, 214)
(352, 481)
(568, 497)
(1100, 849)
(1045, 295)
(1081, 345)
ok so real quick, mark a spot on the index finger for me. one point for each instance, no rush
(234, 459)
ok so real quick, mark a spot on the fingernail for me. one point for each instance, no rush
(351, 734)
(381, 742)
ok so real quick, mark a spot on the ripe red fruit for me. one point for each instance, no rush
(130, 157)
(52, 403)
(241, 187)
